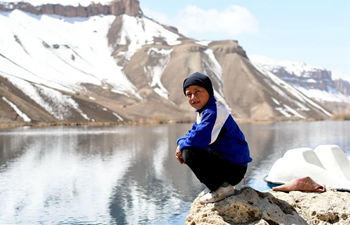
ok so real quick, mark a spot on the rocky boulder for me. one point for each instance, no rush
(249, 206)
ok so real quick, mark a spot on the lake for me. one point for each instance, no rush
(126, 174)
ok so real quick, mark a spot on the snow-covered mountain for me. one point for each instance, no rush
(124, 66)
(315, 82)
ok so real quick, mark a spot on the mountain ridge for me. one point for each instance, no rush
(315, 82)
(122, 68)
(114, 7)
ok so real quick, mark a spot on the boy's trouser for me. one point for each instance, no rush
(211, 169)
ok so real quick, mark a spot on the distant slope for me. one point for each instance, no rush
(110, 68)
(315, 82)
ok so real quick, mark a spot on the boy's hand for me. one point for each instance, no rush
(178, 155)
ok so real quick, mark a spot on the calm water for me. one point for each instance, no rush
(126, 174)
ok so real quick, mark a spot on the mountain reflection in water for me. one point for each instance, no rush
(126, 174)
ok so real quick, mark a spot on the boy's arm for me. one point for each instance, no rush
(200, 134)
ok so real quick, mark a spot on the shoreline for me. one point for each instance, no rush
(4, 125)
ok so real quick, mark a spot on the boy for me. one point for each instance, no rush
(215, 148)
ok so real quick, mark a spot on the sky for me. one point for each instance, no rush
(315, 32)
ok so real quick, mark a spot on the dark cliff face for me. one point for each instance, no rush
(116, 7)
(227, 47)
(316, 79)
(343, 86)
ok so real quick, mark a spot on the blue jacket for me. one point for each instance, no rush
(215, 130)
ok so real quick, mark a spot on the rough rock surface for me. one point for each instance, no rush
(330, 207)
(250, 206)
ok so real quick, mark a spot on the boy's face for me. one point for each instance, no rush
(197, 96)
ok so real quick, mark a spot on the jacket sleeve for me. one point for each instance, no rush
(200, 134)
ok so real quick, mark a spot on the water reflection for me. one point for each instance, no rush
(125, 174)
(119, 175)
(60, 177)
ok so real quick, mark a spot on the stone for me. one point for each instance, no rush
(249, 206)
(330, 207)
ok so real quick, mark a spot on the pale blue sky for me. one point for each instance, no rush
(316, 32)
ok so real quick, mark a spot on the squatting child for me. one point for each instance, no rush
(214, 148)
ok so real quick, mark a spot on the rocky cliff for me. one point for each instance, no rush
(115, 7)
(306, 77)
(342, 85)
(250, 206)
(316, 78)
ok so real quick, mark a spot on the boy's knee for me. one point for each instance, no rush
(186, 155)
(191, 155)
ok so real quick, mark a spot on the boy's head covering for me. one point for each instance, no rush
(201, 80)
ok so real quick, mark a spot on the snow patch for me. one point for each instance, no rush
(293, 111)
(205, 43)
(49, 50)
(119, 117)
(283, 111)
(275, 101)
(138, 31)
(154, 72)
(296, 68)
(18, 111)
(213, 66)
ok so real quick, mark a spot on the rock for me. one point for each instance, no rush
(250, 206)
(129, 7)
(330, 207)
